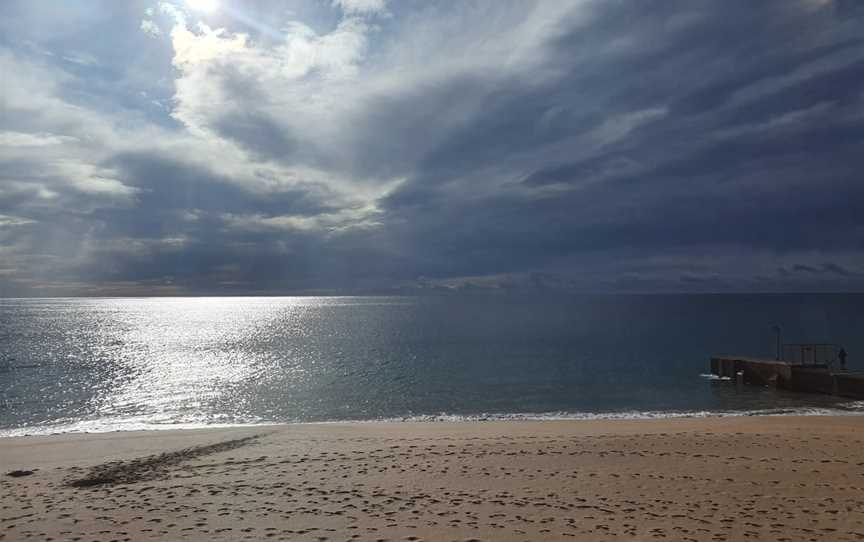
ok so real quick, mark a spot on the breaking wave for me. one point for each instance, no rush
(854, 408)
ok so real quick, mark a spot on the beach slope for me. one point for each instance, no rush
(749, 478)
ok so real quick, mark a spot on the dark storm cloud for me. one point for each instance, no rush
(169, 184)
(185, 214)
(258, 134)
(709, 174)
(626, 146)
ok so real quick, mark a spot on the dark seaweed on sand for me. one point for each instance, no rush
(152, 466)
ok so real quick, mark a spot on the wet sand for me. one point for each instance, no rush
(780, 478)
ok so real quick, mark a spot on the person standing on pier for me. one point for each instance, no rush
(842, 356)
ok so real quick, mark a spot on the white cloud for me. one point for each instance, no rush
(150, 27)
(361, 7)
(21, 139)
(304, 85)
(192, 48)
(97, 184)
(332, 223)
(317, 99)
(217, 67)
(7, 221)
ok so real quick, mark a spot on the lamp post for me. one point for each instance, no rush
(776, 329)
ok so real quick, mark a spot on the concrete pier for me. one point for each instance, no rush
(817, 378)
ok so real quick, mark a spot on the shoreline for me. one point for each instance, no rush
(718, 478)
(92, 427)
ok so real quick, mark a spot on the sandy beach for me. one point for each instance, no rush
(775, 478)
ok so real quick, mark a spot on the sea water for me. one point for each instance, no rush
(107, 364)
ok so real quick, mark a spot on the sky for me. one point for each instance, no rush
(196, 147)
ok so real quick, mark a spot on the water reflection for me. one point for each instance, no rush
(174, 358)
(123, 363)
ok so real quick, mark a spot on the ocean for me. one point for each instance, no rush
(72, 364)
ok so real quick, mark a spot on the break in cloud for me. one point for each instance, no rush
(359, 146)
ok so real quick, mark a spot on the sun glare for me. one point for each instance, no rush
(207, 6)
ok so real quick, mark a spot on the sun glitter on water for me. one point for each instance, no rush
(207, 6)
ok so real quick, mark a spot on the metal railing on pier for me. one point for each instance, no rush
(810, 353)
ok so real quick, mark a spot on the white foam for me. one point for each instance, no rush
(855, 408)
(119, 424)
(708, 376)
(843, 410)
